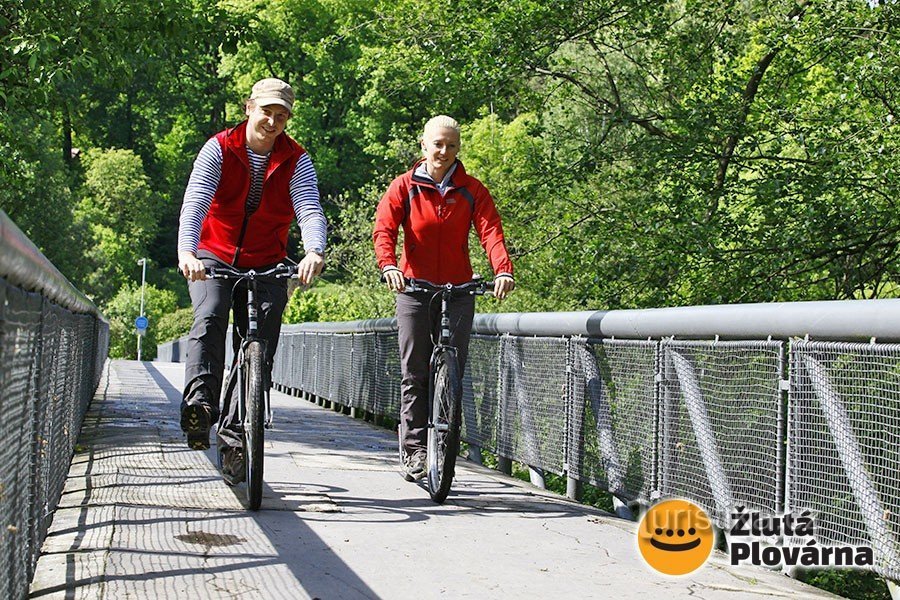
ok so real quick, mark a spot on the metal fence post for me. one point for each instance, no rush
(536, 476)
(573, 484)
(504, 464)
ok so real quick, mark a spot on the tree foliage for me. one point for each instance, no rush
(174, 325)
(122, 310)
(332, 302)
(641, 153)
(118, 213)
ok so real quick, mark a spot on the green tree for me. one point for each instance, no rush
(701, 152)
(124, 308)
(332, 302)
(174, 325)
(119, 213)
(36, 190)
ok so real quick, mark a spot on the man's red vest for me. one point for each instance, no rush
(257, 239)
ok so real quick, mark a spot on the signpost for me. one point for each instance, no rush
(141, 322)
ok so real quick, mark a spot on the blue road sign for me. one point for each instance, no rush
(141, 322)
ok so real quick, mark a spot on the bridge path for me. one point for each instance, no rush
(144, 517)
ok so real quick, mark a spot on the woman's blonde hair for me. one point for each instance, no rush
(441, 121)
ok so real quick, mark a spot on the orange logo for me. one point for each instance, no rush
(675, 537)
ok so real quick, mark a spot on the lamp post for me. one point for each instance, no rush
(140, 332)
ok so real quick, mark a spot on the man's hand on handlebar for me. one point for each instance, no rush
(503, 285)
(394, 280)
(190, 266)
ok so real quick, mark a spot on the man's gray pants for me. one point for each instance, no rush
(418, 319)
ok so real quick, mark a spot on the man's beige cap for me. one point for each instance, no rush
(273, 91)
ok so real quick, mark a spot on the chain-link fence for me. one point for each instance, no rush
(51, 360)
(844, 444)
(720, 424)
(723, 423)
(518, 397)
(613, 415)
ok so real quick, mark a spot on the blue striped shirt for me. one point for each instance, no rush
(204, 181)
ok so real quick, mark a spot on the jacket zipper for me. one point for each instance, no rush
(240, 242)
(247, 215)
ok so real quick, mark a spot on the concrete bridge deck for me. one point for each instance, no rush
(144, 517)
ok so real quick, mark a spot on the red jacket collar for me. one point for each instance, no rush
(456, 180)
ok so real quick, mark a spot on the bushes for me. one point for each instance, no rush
(174, 325)
(333, 302)
(122, 311)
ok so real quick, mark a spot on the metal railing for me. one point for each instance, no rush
(769, 406)
(53, 345)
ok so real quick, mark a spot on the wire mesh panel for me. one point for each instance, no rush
(291, 367)
(720, 424)
(49, 406)
(278, 359)
(612, 430)
(293, 362)
(300, 365)
(323, 346)
(310, 354)
(59, 413)
(341, 367)
(533, 410)
(844, 444)
(481, 392)
(41, 463)
(387, 375)
(84, 376)
(282, 364)
(326, 366)
(362, 372)
(19, 331)
(48, 372)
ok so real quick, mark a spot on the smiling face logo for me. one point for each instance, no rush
(675, 537)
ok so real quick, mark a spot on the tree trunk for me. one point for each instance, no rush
(67, 135)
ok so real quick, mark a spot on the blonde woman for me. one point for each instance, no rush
(435, 202)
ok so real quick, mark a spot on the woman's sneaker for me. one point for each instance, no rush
(414, 465)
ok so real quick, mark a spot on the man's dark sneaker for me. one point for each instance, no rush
(195, 423)
(233, 466)
(413, 466)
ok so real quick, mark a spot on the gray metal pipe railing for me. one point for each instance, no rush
(24, 266)
(846, 320)
(829, 320)
(54, 342)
